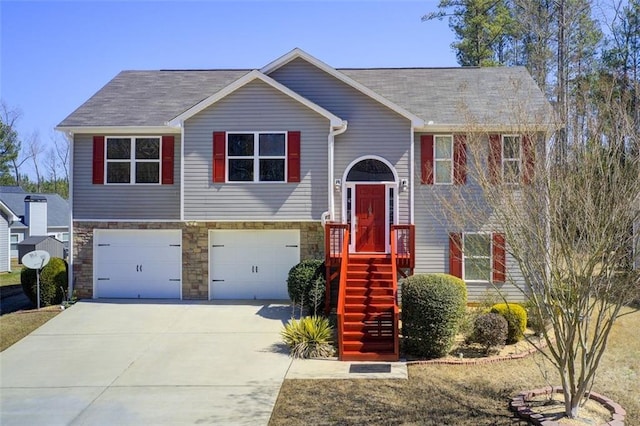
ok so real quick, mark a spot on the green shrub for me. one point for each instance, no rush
(53, 282)
(433, 305)
(306, 284)
(308, 337)
(534, 321)
(490, 330)
(516, 317)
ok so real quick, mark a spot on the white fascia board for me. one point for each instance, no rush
(242, 81)
(299, 53)
(12, 216)
(101, 130)
(466, 128)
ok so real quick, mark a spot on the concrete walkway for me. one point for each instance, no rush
(129, 363)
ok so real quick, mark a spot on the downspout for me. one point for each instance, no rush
(333, 132)
(412, 191)
(182, 171)
(69, 136)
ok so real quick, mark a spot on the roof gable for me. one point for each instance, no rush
(300, 54)
(242, 81)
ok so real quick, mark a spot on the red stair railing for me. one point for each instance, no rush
(342, 292)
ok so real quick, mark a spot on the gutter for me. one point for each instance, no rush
(333, 132)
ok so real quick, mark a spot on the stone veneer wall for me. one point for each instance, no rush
(195, 252)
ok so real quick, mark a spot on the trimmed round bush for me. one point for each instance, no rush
(490, 330)
(306, 284)
(53, 282)
(433, 306)
(516, 317)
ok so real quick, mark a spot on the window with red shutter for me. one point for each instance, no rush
(98, 160)
(459, 159)
(426, 159)
(293, 156)
(499, 258)
(495, 159)
(219, 157)
(455, 254)
(167, 160)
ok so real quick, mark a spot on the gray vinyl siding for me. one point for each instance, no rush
(4, 243)
(433, 225)
(112, 202)
(373, 129)
(255, 107)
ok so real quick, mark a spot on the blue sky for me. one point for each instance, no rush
(55, 55)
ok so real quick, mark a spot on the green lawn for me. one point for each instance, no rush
(456, 395)
(10, 278)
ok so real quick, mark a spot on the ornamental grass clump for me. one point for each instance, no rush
(306, 285)
(309, 337)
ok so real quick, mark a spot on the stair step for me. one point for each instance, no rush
(368, 291)
(373, 327)
(364, 283)
(361, 267)
(360, 317)
(378, 346)
(371, 308)
(369, 335)
(368, 356)
(364, 299)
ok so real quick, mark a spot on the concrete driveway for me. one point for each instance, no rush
(126, 363)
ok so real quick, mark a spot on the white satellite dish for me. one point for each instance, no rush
(36, 259)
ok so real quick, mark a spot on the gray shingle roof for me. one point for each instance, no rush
(57, 207)
(440, 95)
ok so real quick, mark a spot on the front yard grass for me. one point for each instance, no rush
(17, 325)
(9, 278)
(456, 394)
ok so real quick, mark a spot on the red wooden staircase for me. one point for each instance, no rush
(369, 321)
(365, 287)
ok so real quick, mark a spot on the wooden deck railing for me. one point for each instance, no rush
(335, 236)
(396, 311)
(342, 291)
(404, 238)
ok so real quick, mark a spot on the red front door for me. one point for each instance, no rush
(370, 218)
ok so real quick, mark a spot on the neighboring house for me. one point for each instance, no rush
(27, 215)
(211, 184)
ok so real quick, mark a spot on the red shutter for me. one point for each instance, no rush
(167, 160)
(499, 259)
(98, 160)
(426, 159)
(219, 160)
(529, 159)
(495, 159)
(455, 254)
(459, 159)
(293, 156)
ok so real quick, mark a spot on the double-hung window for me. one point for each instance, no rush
(477, 257)
(15, 239)
(132, 160)
(443, 159)
(511, 158)
(257, 156)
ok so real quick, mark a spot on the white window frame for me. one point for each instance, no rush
(437, 160)
(132, 160)
(11, 242)
(490, 257)
(256, 157)
(506, 160)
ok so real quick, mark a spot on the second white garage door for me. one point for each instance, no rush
(251, 264)
(137, 264)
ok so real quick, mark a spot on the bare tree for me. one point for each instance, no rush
(34, 150)
(61, 148)
(568, 228)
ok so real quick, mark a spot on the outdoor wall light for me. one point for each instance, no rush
(337, 185)
(404, 185)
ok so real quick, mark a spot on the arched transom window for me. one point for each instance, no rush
(370, 170)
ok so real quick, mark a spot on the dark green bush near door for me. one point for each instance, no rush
(433, 306)
(53, 282)
(306, 285)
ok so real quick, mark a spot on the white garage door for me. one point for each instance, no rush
(137, 264)
(251, 264)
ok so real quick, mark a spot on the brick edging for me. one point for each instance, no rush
(520, 406)
(478, 361)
